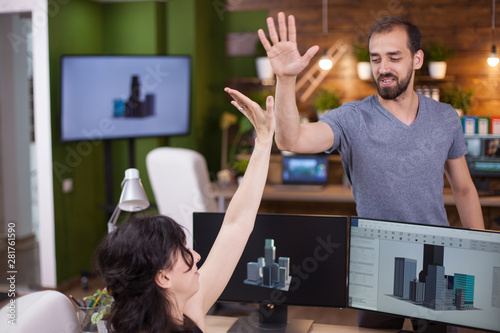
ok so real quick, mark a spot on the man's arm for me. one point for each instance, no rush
(464, 193)
(287, 63)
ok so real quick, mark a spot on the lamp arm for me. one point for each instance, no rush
(113, 218)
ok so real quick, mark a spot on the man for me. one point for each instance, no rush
(395, 145)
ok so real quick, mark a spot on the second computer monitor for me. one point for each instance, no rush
(433, 273)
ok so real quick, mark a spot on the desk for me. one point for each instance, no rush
(220, 324)
(331, 193)
(338, 200)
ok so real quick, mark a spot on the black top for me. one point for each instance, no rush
(196, 329)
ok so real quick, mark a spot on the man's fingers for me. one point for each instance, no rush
(311, 52)
(273, 35)
(263, 39)
(282, 26)
(292, 30)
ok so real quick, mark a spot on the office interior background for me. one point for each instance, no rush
(220, 37)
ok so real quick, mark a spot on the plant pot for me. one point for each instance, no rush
(364, 70)
(437, 69)
(264, 68)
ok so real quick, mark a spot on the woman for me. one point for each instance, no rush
(153, 275)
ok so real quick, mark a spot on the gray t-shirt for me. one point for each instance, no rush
(396, 170)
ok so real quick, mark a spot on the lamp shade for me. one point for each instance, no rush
(133, 197)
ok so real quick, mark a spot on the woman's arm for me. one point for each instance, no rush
(242, 210)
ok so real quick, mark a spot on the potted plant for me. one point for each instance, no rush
(263, 65)
(438, 53)
(363, 68)
(326, 100)
(236, 143)
(458, 97)
(102, 301)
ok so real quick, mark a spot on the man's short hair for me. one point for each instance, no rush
(389, 23)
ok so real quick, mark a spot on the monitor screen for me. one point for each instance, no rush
(434, 273)
(111, 97)
(483, 157)
(288, 260)
(305, 169)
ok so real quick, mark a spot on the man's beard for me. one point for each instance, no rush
(391, 93)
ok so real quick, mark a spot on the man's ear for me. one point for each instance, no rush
(418, 59)
(162, 279)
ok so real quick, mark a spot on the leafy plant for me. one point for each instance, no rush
(326, 99)
(362, 53)
(458, 97)
(239, 166)
(438, 51)
(102, 300)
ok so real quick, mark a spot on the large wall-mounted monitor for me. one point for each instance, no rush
(435, 274)
(112, 97)
(288, 260)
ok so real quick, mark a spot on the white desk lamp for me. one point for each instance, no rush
(132, 199)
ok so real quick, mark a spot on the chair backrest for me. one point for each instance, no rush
(41, 311)
(181, 184)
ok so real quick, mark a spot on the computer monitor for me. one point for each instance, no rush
(436, 274)
(288, 260)
(124, 96)
(305, 169)
(483, 160)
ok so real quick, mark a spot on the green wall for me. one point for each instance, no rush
(79, 223)
(184, 27)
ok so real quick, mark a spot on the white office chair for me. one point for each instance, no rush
(46, 311)
(181, 185)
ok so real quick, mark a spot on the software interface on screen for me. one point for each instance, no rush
(435, 273)
(289, 259)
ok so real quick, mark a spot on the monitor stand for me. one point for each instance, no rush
(425, 326)
(271, 319)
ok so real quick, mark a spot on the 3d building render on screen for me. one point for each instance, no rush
(433, 288)
(266, 272)
(134, 107)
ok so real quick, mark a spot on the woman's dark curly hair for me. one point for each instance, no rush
(128, 260)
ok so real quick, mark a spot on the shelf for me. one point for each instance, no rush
(427, 78)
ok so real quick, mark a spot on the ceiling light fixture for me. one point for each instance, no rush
(325, 63)
(493, 59)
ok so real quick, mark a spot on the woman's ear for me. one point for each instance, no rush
(162, 279)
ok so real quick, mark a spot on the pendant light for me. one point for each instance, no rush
(493, 59)
(325, 63)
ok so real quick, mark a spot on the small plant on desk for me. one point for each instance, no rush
(103, 300)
